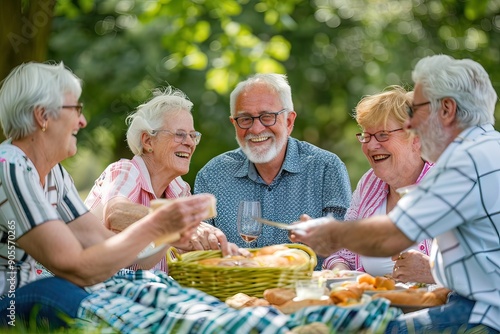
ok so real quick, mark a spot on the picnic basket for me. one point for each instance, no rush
(223, 282)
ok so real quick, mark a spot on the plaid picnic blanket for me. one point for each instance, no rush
(152, 302)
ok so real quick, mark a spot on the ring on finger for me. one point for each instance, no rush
(400, 256)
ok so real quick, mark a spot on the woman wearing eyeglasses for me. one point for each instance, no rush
(394, 157)
(162, 137)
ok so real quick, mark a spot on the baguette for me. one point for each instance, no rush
(412, 297)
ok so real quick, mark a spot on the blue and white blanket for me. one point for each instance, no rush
(146, 302)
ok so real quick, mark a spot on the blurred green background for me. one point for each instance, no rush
(333, 51)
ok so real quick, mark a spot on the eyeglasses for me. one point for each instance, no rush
(411, 109)
(266, 119)
(380, 136)
(78, 108)
(181, 136)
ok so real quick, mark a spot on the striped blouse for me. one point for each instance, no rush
(371, 192)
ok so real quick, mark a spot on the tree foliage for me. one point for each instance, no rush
(333, 51)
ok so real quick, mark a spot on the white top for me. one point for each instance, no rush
(379, 266)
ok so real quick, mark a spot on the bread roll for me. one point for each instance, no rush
(347, 295)
(241, 300)
(384, 283)
(279, 296)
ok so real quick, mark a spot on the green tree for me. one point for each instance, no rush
(333, 52)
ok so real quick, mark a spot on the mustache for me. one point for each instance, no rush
(260, 135)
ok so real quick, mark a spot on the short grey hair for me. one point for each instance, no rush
(31, 85)
(276, 82)
(464, 80)
(150, 116)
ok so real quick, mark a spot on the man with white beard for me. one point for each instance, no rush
(289, 177)
(456, 203)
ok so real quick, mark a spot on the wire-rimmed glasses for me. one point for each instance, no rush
(266, 119)
(78, 108)
(380, 136)
(181, 136)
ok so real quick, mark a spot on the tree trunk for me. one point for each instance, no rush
(25, 27)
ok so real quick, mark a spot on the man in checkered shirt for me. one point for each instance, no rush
(457, 202)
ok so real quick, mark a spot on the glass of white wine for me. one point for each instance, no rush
(248, 228)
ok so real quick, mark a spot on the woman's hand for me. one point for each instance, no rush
(181, 215)
(412, 266)
(208, 237)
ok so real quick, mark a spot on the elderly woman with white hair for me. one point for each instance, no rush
(162, 137)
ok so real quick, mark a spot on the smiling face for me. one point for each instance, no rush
(64, 129)
(260, 143)
(427, 126)
(393, 160)
(168, 155)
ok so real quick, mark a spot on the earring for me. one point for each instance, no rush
(150, 150)
(44, 127)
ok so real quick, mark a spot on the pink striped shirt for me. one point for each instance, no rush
(369, 195)
(131, 179)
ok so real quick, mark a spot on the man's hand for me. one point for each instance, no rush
(316, 237)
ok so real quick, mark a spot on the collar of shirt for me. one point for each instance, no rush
(176, 188)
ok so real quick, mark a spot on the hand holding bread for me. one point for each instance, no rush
(182, 214)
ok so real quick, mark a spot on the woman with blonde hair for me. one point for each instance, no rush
(394, 157)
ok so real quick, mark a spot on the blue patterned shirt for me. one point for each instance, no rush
(311, 181)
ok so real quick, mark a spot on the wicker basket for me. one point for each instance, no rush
(223, 282)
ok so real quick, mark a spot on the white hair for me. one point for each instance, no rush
(464, 80)
(150, 115)
(32, 85)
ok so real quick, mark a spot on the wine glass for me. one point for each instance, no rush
(248, 228)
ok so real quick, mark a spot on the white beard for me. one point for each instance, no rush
(262, 155)
(434, 139)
